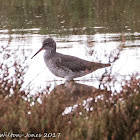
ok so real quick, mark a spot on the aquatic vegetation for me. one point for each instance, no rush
(112, 116)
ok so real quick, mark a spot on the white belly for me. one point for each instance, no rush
(63, 72)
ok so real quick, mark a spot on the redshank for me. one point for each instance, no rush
(66, 66)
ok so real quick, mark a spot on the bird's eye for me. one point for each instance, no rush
(47, 43)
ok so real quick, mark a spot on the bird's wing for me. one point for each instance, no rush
(73, 63)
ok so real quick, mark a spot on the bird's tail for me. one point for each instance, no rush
(99, 65)
(106, 65)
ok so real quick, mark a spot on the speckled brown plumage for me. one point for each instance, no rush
(66, 66)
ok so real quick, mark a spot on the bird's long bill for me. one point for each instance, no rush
(37, 52)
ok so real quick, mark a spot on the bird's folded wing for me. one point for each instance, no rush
(73, 63)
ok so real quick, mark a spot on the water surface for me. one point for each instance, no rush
(93, 31)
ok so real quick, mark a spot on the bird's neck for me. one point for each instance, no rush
(48, 54)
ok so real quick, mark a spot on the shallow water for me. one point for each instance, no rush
(97, 48)
(92, 31)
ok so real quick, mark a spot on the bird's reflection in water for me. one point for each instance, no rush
(71, 93)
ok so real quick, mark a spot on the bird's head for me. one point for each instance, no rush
(48, 45)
